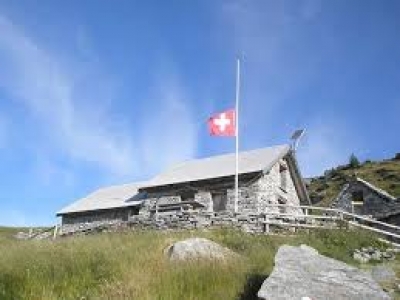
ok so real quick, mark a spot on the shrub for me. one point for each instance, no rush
(397, 156)
(353, 161)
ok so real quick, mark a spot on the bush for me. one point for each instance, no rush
(353, 161)
(397, 156)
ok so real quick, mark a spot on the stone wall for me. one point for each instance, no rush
(180, 221)
(271, 192)
(200, 220)
(204, 197)
(394, 219)
(121, 214)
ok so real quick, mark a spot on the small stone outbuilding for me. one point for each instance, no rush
(363, 198)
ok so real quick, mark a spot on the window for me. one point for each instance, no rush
(187, 196)
(357, 196)
(220, 200)
(357, 202)
(283, 177)
(281, 209)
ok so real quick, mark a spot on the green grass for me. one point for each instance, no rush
(132, 265)
(383, 174)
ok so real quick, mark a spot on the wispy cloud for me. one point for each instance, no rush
(169, 133)
(283, 57)
(72, 107)
(273, 39)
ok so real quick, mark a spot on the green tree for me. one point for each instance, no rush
(353, 161)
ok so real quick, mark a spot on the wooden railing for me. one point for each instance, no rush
(331, 214)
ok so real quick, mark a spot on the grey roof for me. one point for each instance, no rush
(106, 198)
(376, 189)
(220, 166)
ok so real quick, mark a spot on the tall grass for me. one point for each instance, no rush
(132, 265)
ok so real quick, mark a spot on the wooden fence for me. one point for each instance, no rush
(328, 218)
(312, 217)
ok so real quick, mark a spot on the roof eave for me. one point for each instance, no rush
(61, 213)
(285, 151)
(297, 178)
(281, 155)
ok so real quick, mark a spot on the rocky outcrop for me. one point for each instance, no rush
(198, 248)
(366, 254)
(302, 273)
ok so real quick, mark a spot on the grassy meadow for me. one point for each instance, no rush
(131, 265)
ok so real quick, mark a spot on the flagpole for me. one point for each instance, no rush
(237, 135)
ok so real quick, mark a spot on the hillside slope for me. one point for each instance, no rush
(384, 174)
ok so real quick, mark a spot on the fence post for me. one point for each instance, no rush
(266, 224)
(55, 232)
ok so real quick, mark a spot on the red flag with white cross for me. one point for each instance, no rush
(223, 123)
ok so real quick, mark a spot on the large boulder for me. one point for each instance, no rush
(302, 273)
(383, 274)
(198, 248)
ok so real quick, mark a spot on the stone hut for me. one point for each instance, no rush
(266, 176)
(363, 198)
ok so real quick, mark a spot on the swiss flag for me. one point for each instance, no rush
(223, 123)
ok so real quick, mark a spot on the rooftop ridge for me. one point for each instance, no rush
(376, 189)
(200, 159)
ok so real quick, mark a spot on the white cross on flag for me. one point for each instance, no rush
(223, 123)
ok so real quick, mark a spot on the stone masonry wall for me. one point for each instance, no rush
(270, 191)
(200, 220)
(248, 223)
(100, 216)
(205, 198)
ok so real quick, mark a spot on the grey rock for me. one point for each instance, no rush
(360, 257)
(301, 272)
(22, 236)
(198, 248)
(393, 250)
(383, 273)
(376, 255)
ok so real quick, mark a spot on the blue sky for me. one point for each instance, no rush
(95, 93)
